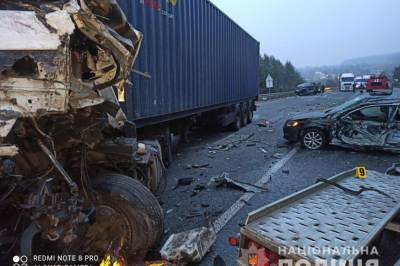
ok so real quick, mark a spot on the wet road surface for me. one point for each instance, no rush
(247, 155)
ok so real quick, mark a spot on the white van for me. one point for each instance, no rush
(346, 82)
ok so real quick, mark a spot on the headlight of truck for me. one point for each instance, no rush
(293, 123)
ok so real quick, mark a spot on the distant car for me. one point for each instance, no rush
(365, 121)
(378, 83)
(307, 89)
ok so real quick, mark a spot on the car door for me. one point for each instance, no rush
(366, 126)
(393, 139)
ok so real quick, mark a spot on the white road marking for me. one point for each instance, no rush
(241, 202)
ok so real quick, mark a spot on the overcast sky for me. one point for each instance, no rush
(319, 32)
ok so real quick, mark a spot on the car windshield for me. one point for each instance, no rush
(349, 79)
(353, 101)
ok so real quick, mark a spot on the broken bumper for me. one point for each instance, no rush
(291, 133)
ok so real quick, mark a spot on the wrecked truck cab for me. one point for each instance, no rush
(364, 122)
(72, 174)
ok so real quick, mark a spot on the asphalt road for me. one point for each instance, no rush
(248, 160)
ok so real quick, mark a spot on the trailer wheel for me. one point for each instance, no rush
(126, 206)
(167, 148)
(244, 115)
(238, 122)
(250, 116)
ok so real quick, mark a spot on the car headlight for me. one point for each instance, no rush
(293, 123)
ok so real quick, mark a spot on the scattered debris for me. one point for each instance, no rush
(197, 189)
(196, 213)
(189, 246)
(186, 181)
(277, 156)
(394, 170)
(264, 123)
(197, 166)
(158, 263)
(286, 171)
(231, 143)
(223, 180)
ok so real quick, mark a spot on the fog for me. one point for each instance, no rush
(319, 32)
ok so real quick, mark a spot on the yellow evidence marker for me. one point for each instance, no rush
(361, 172)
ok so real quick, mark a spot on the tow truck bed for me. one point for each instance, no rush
(324, 216)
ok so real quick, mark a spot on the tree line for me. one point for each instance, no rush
(285, 76)
(396, 74)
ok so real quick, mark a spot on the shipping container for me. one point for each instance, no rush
(198, 58)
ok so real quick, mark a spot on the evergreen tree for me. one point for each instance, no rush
(285, 76)
(396, 74)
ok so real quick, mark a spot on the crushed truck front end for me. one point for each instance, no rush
(72, 174)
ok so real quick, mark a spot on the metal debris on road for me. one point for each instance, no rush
(189, 246)
(232, 143)
(223, 180)
(286, 171)
(264, 123)
(197, 189)
(197, 166)
(186, 181)
(277, 155)
(394, 170)
(245, 202)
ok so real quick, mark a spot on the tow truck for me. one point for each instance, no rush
(333, 222)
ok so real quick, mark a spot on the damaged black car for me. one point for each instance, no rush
(364, 122)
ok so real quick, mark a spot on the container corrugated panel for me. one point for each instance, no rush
(197, 57)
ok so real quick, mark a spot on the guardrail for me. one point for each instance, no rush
(276, 95)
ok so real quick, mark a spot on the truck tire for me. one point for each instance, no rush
(238, 122)
(137, 207)
(244, 114)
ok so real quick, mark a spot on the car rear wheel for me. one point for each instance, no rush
(313, 139)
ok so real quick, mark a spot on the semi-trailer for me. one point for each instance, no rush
(195, 65)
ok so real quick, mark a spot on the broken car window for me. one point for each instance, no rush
(375, 113)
